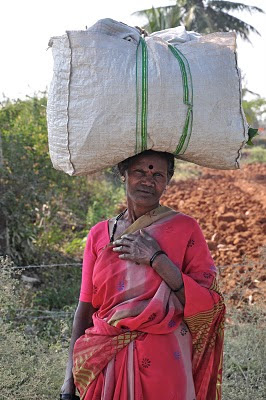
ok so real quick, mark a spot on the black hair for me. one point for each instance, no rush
(124, 165)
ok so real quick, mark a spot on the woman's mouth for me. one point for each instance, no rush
(146, 191)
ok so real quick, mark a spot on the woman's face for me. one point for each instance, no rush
(146, 180)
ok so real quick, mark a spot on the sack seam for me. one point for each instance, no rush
(68, 103)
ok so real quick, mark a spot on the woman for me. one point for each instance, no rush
(149, 324)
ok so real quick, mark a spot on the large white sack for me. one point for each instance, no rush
(115, 93)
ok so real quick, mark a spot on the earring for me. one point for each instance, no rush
(123, 179)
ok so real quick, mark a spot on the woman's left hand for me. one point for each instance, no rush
(138, 247)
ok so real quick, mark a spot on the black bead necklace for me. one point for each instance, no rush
(115, 224)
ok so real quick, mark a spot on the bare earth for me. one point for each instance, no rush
(230, 207)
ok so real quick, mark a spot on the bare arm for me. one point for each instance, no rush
(171, 274)
(82, 321)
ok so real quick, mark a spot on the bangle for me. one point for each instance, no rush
(180, 287)
(155, 255)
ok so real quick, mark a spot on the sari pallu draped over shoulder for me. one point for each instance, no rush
(144, 343)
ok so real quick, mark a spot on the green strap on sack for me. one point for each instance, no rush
(187, 99)
(142, 97)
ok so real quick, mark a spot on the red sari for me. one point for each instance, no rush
(144, 344)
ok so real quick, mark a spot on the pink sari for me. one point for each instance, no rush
(144, 344)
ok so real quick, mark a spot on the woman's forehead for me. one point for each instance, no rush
(150, 162)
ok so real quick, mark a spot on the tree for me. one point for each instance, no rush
(161, 18)
(31, 190)
(204, 16)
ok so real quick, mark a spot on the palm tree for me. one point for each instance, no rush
(161, 18)
(204, 16)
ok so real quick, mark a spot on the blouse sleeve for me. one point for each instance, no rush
(87, 270)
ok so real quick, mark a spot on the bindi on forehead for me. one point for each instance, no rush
(150, 166)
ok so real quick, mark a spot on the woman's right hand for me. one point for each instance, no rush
(68, 386)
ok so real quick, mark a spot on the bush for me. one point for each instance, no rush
(32, 193)
(30, 368)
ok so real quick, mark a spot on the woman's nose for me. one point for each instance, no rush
(148, 180)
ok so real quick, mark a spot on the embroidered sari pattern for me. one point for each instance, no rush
(207, 330)
(104, 349)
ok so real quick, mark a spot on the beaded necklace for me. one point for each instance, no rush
(115, 224)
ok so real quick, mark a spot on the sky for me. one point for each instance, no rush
(26, 26)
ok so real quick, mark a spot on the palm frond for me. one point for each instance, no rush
(203, 16)
(163, 8)
(232, 6)
(161, 17)
(189, 18)
(222, 21)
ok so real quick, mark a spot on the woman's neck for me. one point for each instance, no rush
(135, 211)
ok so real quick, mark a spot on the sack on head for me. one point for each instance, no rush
(116, 92)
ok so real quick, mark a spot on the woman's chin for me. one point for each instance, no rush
(146, 201)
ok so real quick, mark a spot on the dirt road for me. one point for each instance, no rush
(230, 207)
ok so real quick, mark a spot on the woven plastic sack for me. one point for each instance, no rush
(116, 92)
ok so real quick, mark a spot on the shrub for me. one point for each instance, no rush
(30, 367)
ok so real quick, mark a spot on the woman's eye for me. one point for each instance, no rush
(138, 172)
(157, 174)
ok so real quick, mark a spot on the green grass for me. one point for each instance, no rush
(255, 154)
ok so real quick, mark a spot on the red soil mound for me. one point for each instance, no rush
(230, 207)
